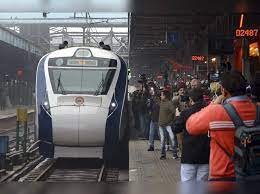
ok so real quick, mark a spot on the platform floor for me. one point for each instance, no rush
(147, 166)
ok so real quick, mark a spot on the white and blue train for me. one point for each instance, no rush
(81, 99)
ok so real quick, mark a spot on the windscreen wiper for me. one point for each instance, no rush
(60, 85)
(100, 87)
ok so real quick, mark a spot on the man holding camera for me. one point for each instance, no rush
(215, 121)
(153, 108)
(195, 152)
(180, 103)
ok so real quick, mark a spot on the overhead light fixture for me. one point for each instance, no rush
(214, 59)
(241, 20)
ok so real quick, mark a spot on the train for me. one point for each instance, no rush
(81, 104)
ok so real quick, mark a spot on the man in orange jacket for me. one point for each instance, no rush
(215, 121)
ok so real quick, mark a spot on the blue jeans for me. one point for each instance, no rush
(153, 129)
(163, 133)
(193, 172)
(144, 124)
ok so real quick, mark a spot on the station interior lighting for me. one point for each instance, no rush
(254, 50)
(241, 21)
(214, 59)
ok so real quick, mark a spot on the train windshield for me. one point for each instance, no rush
(81, 81)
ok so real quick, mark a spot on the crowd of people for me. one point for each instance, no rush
(198, 124)
(3, 94)
(13, 93)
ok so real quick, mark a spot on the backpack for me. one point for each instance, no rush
(246, 156)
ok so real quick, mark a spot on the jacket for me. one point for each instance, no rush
(195, 149)
(215, 120)
(154, 108)
(166, 114)
(176, 100)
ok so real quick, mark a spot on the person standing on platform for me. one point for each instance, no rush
(143, 114)
(136, 111)
(153, 108)
(195, 83)
(166, 116)
(1, 99)
(178, 100)
(3, 94)
(180, 105)
(195, 149)
(215, 121)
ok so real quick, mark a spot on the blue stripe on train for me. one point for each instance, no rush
(44, 120)
(113, 122)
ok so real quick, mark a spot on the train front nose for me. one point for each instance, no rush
(92, 124)
(65, 121)
(79, 121)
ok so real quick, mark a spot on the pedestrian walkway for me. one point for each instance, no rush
(147, 166)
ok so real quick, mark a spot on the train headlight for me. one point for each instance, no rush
(112, 107)
(113, 104)
(46, 105)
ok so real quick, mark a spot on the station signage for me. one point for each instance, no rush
(172, 37)
(198, 58)
(246, 32)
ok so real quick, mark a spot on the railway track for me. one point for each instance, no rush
(12, 136)
(13, 129)
(59, 170)
(71, 170)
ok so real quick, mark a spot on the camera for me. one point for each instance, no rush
(185, 98)
(214, 77)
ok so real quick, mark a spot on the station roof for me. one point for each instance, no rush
(167, 7)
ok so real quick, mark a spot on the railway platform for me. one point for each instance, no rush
(11, 112)
(147, 175)
(8, 118)
(146, 166)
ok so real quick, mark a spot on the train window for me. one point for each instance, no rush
(81, 81)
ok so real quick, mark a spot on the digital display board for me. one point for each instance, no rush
(78, 62)
(246, 32)
(198, 58)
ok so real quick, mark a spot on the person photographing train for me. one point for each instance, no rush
(195, 152)
(217, 119)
